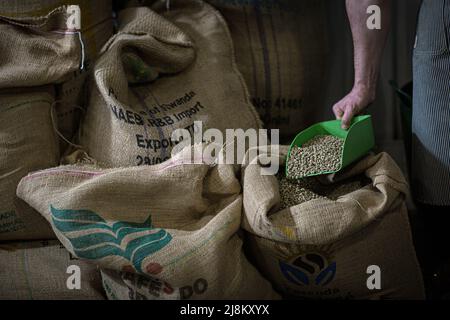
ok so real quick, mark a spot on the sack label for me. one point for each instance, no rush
(172, 114)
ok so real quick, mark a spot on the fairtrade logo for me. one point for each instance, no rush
(307, 269)
(94, 238)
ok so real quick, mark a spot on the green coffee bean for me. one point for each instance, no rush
(323, 153)
(294, 192)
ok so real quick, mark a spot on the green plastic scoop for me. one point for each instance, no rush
(358, 139)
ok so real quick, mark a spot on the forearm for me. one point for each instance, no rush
(368, 44)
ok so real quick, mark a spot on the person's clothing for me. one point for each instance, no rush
(431, 105)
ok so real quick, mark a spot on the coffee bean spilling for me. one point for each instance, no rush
(295, 192)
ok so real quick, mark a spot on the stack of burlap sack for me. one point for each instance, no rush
(41, 80)
(159, 226)
(42, 72)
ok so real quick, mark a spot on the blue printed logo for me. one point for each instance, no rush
(94, 238)
(308, 269)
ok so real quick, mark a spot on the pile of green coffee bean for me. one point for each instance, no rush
(294, 192)
(323, 153)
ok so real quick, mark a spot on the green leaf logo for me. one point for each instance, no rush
(93, 238)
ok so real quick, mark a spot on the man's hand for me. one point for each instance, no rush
(353, 104)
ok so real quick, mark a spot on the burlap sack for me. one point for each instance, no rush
(323, 248)
(281, 50)
(51, 53)
(96, 18)
(175, 222)
(27, 143)
(41, 270)
(37, 50)
(96, 29)
(162, 71)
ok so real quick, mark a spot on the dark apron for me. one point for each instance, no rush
(431, 105)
